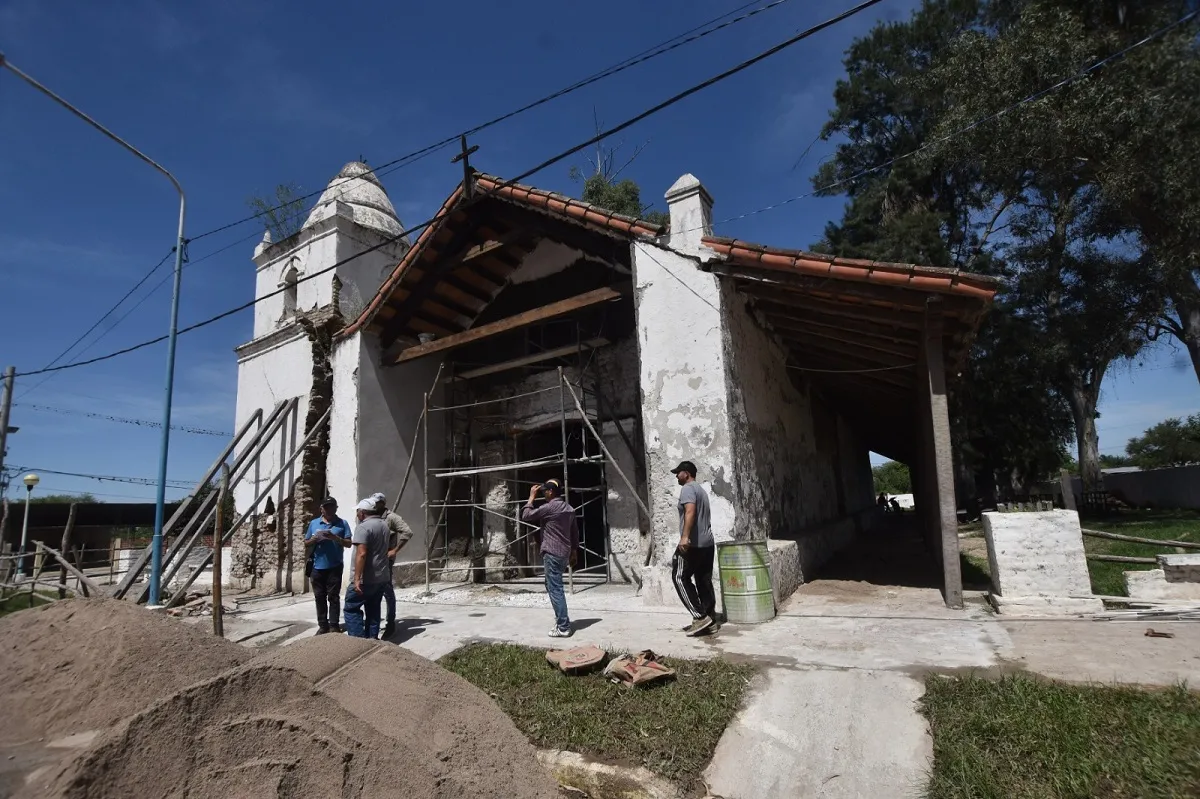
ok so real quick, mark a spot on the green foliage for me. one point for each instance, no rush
(624, 197)
(1115, 461)
(892, 478)
(1051, 196)
(66, 499)
(283, 214)
(1174, 442)
(1108, 579)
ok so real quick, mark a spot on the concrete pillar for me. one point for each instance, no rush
(939, 510)
(690, 205)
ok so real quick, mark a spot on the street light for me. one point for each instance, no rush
(31, 480)
(156, 545)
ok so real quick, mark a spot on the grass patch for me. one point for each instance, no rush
(1023, 737)
(12, 601)
(671, 729)
(1108, 578)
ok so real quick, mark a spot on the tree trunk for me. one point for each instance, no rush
(1083, 401)
(1186, 300)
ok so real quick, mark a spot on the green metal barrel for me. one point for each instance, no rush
(746, 582)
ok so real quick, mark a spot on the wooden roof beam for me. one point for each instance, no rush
(554, 309)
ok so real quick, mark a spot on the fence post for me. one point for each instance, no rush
(66, 547)
(1068, 492)
(218, 536)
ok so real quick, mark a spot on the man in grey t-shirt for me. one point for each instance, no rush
(692, 565)
(371, 572)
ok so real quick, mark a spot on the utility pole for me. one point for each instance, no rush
(5, 410)
(156, 546)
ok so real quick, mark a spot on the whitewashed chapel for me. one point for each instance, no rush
(551, 338)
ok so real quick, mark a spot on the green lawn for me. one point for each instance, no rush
(671, 729)
(1024, 737)
(1108, 578)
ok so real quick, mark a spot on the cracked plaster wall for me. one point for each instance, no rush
(685, 403)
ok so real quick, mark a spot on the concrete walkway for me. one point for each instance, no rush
(835, 712)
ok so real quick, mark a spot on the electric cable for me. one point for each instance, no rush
(632, 61)
(200, 431)
(670, 101)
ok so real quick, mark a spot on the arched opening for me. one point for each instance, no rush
(291, 277)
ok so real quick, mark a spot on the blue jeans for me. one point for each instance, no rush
(357, 604)
(389, 596)
(554, 567)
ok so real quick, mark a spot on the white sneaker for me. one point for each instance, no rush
(557, 633)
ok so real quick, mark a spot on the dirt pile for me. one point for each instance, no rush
(84, 664)
(328, 716)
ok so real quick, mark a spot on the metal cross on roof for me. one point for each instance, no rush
(465, 157)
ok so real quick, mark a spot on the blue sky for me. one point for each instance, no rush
(235, 98)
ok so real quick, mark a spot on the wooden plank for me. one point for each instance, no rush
(790, 327)
(799, 305)
(511, 323)
(1135, 540)
(529, 360)
(783, 280)
(800, 341)
(84, 581)
(1119, 559)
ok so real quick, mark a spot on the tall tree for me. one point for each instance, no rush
(1174, 442)
(1079, 275)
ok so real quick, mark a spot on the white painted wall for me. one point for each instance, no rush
(685, 405)
(330, 240)
(341, 466)
(268, 377)
(389, 404)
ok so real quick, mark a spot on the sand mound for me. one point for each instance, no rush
(328, 716)
(84, 664)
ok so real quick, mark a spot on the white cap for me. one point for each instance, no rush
(379, 497)
(367, 504)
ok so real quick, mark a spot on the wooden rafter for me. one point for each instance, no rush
(520, 320)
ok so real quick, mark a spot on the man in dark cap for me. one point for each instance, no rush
(328, 535)
(560, 544)
(692, 565)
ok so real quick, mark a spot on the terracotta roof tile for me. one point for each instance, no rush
(922, 278)
(569, 207)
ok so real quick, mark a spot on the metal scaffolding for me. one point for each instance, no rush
(464, 470)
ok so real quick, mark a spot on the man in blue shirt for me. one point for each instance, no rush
(328, 535)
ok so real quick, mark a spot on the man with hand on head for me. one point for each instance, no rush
(328, 535)
(399, 535)
(371, 572)
(560, 544)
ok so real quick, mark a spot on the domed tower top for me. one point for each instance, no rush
(357, 186)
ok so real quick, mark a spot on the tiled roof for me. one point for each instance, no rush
(922, 278)
(569, 207)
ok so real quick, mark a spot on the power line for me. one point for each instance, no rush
(806, 33)
(200, 431)
(98, 322)
(108, 478)
(53, 490)
(662, 48)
